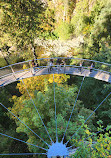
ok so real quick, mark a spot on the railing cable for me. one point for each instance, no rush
(55, 109)
(88, 137)
(88, 117)
(73, 107)
(22, 141)
(37, 111)
(24, 123)
(12, 154)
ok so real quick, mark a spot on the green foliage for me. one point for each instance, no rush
(2, 62)
(71, 7)
(97, 33)
(64, 31)
(8, 126)
(101, 147)
(23, 17)
(97, 91)
(44, 102)
(4, 99)
(92, 94)
(49, 28)
(8, 145)
(82, 152)
(23, 21)
(101, 29)
(14, 58)
(86, 13)
(80, 19)
(94, 25)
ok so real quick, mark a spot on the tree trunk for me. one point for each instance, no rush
(65, 10)
(5, 58)
(34, 53)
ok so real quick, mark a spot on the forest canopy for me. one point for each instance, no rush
(34, 29)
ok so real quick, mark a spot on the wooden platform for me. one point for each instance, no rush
(12, 77)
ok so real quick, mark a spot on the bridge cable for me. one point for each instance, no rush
(55, 110)
(37, 111)
(23, 141)
(24, 123)
(73, 107)
(88, 137)
(88, 117)
(22, 154)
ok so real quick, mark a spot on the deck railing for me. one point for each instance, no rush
(43, 62)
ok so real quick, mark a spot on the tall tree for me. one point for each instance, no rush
(64, 98)
(24, 21)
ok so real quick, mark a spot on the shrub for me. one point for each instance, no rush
(64, 31)
(2, 62)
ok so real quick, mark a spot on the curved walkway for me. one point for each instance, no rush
(43, 70)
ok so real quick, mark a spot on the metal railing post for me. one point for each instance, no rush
(13, 72)
(64, 69)
(30, 68)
